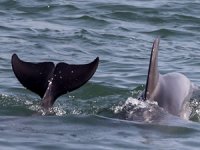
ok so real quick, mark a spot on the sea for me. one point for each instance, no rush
(103, 114)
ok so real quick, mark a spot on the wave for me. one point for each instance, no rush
(169, 33)
(95, 99)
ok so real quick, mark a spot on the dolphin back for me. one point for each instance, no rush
(153, 73)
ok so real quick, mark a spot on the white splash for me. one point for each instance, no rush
(134, 109)
(57, 110)
(133, 102)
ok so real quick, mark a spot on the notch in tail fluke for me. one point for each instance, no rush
(50, 81)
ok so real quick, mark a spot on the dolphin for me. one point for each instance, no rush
(50, 81)
(172, 91)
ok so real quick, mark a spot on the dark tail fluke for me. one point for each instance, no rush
(67, 78)
(33, 76)
(50, 81)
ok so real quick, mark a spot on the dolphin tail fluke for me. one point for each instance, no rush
(50, 81)
(153, 73)
(68, 78)
(33, 76)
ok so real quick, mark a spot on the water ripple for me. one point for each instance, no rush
(121, 34)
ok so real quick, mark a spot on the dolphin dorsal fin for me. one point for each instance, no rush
(153, 73)
(48, 80)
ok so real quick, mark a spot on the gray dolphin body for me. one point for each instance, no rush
(172, 91)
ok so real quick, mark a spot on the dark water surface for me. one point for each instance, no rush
(121, 34)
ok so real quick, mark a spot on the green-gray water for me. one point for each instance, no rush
(121, 34)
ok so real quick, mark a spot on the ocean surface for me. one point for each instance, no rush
(92, 117)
